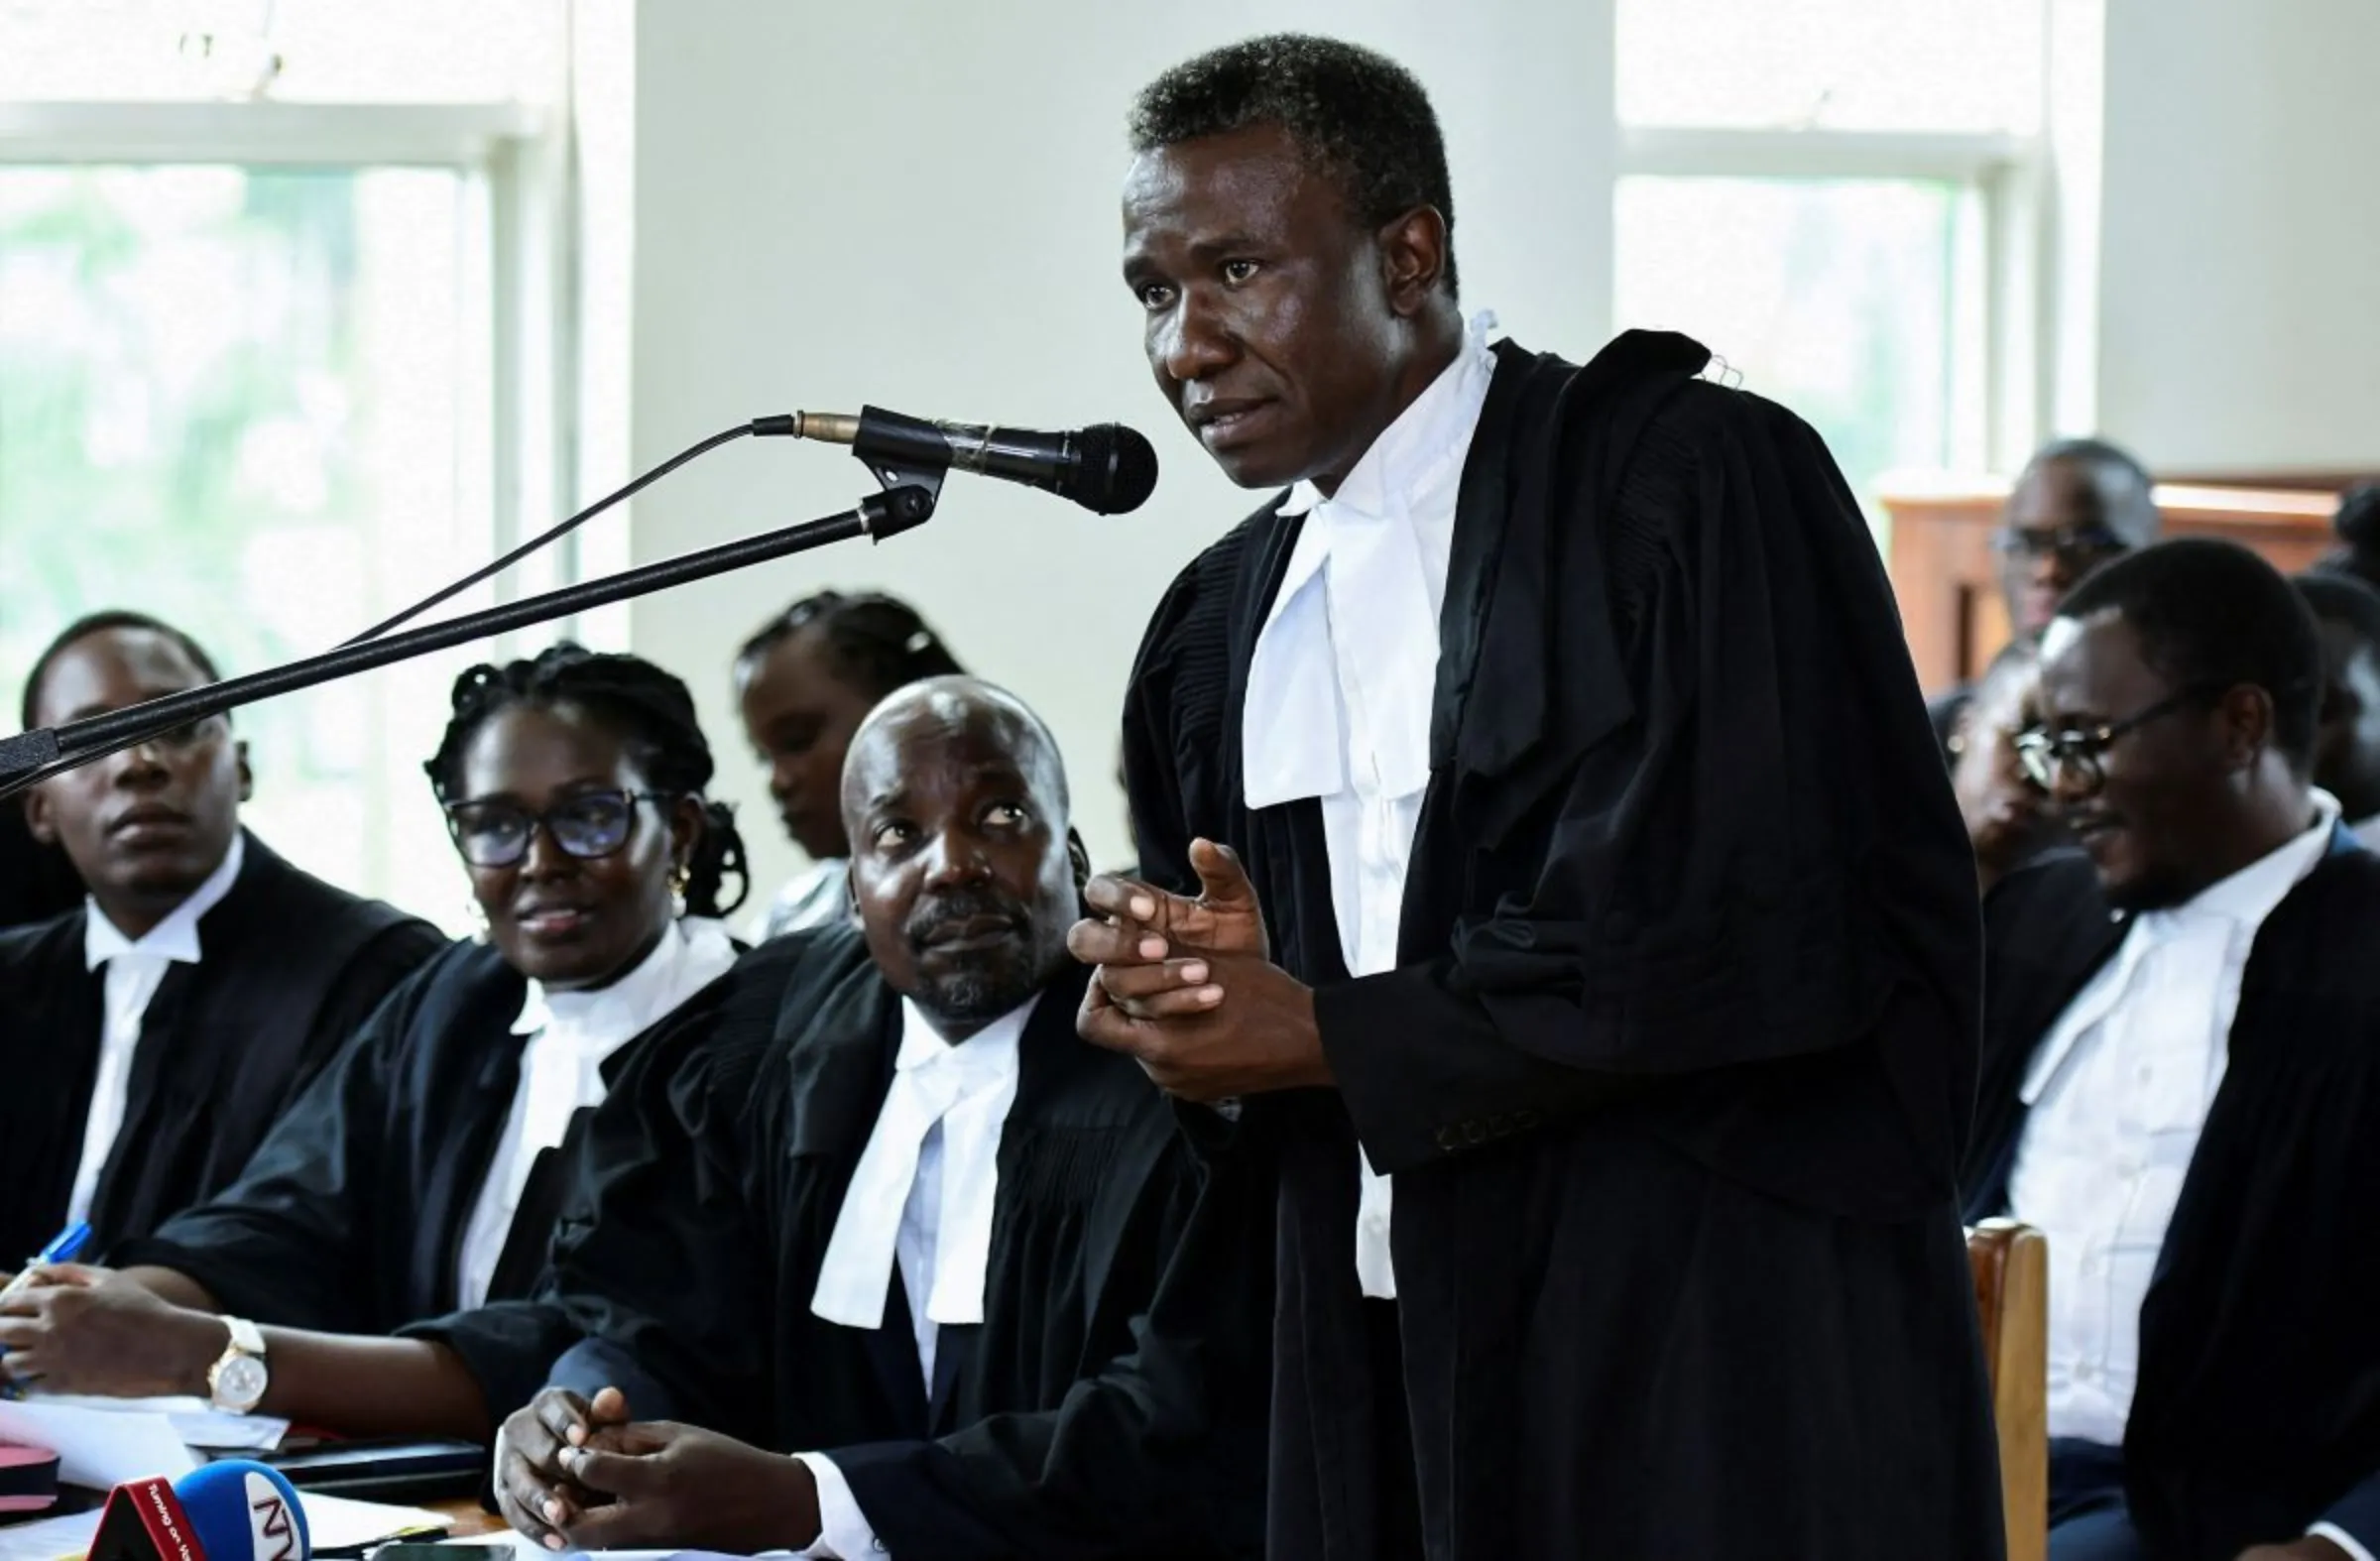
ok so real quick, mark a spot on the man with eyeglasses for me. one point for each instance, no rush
(2181, 1077)
(2078, 504)
(149, 1037)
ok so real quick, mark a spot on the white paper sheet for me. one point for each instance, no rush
(99, 1448)
(49, 1538)
(199, 1422)
(338, 1522)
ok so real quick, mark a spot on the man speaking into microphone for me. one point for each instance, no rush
(1595, 942)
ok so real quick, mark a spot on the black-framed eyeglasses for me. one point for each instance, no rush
(2044, 752)
(190, 735)
(2070, 543)
(496, 831)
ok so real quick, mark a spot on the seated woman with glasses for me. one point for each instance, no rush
(420, 1172)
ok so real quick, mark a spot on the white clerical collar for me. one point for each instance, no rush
(694, 952)
(1432, 433)
(174, 939)
(967, 1088)
(1385, 536)
(2243, 900)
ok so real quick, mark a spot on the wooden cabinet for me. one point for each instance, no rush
(1946, 574)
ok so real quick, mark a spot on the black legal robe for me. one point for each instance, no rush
(1677, 1065)
(291, 968)
(2257, 1407)
(37, 881)
(351, 1217)
(1076, 1420)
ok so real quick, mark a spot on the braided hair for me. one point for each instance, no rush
(874, 642)
(648, 708)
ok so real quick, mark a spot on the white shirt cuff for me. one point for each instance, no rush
(843, 1532)
(2341, 1539)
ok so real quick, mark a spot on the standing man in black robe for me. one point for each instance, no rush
(2181, 1087)
(906, 1261)
(151, 1037)
(1578, 866)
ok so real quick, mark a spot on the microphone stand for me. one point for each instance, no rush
(31, 758)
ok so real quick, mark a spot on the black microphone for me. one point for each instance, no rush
(1109, 469)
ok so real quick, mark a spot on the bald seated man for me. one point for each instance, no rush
(2078, 504)
(932, 1275)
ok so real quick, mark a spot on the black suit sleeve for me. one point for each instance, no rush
(1161, 1452)
(1748, 870)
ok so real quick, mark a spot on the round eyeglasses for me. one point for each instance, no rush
(496, 831)
(2070, 544)
(2044, 752)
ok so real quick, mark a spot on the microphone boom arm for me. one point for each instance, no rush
(34, 756)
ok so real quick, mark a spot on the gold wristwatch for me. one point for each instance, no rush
(236, 1383)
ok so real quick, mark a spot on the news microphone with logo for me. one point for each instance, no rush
(1109, 469)
(235, 1510)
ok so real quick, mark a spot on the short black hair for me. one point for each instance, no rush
(874, 642)
(1358, 116)
(109, 621)
(652, 711)
(2343, 599)
(2213, 614)
(2125, 491)
(2357, 525)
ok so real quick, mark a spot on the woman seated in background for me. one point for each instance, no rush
(422, 1172)
(2009, 821)
(805, 682)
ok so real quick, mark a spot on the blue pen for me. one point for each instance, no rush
(62, 1248)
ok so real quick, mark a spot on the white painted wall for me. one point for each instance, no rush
(913, 203)
(2239, 292)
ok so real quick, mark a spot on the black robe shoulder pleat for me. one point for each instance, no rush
(290, 968)
(1676, 1069)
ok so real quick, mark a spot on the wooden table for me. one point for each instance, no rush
(467, 1517)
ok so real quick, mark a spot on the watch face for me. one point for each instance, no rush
(241, 1381)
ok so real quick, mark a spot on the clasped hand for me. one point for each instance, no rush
(1188, 988)
(578, 1474)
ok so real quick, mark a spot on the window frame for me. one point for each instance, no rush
(519, 154)
(521, 450)
(2003, 304)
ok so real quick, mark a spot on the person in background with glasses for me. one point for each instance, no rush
(2007, 817)
(2078, 504)
(2182, 1076)
(424, 1170)
(149, 1035)
(803, 684)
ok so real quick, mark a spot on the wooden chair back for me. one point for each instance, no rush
(2010, 1262)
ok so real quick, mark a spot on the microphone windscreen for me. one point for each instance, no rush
(243, 1510)
(1118, 470)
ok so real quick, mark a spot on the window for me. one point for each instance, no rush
(262, 373)
(1838, 198)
